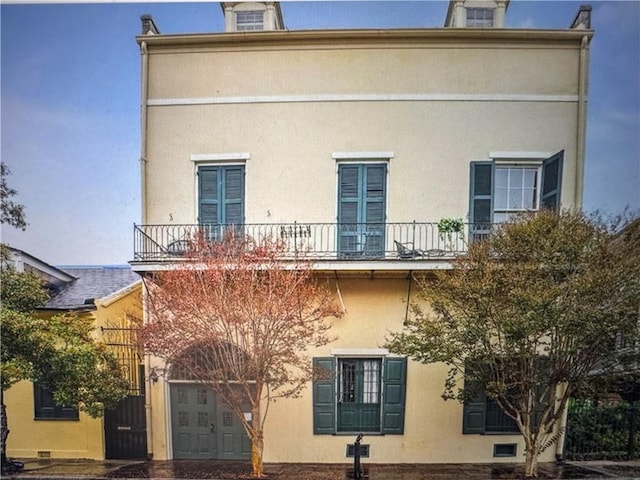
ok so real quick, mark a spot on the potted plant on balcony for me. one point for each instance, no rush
(447, 228)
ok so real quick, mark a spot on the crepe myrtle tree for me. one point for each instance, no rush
(238, 316)
(526, 315)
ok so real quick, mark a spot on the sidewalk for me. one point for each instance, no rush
(227, 470)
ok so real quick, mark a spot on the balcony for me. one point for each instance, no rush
(356, 246)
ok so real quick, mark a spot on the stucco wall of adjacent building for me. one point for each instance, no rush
(373, 309)
(55, 438)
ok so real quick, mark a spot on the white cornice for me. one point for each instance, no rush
(322, 98)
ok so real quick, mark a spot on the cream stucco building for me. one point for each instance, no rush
(352, 145)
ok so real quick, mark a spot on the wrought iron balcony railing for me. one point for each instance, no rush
(313, 241)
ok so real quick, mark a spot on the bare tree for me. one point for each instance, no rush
(238, 318)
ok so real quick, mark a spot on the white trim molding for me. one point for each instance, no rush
(519, 155)
(220, 157)
(364, 97)
(359, 352)
(362, 155)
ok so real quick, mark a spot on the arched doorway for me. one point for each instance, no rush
(202, 425)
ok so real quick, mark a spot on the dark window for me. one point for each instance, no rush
(482, 414)
(45, 407)
(359, 395)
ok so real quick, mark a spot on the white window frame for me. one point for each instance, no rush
(477, 17)
(250, 23)
(517, 160)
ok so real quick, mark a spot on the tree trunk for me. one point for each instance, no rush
(257, 443)
(257, 446)
(531, 462)
(4, 432)
(4, 428)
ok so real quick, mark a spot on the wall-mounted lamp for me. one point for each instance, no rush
(153, 375)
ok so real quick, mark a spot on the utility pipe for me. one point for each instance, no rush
(582, 122)
(143, 129)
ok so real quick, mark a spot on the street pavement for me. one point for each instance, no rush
(58, 469)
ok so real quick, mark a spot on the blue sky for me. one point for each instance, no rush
(70, 106)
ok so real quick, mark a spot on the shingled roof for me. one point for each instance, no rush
(91, 283)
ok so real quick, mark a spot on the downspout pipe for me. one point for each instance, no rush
(143, 129)
(143, 199)
(582, 122)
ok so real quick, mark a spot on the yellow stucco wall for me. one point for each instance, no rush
(436, 103)
(290, 102)
(82, 438)
(433, 427)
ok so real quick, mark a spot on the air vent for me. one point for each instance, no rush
(504, 449)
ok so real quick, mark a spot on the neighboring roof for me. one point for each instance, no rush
(23, 261)
(91, 283)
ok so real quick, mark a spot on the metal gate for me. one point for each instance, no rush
(125, 429)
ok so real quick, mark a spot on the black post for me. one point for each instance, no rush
(357, 472)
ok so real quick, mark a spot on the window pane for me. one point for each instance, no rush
(347, 382)
(249, 20)
(516, 191)
(480, 17)
(515, 199)
(371, 392)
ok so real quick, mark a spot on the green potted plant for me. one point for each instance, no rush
(447, 227)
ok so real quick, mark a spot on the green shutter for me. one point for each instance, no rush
(552, 181)
(394, 395)
(348, 208)
(324, 396)
(361, 208)
(233, 196)
(481, 198)
(474, 409)
(208, 206)
(221, 195)
(375, 180)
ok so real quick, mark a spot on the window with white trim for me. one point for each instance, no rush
(359, 394)
(249, 20)
(480, 17)
(516, 190)
(500, 190)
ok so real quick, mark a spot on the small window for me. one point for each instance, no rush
(250, 20)
(505, 449)
(45, 407)
(480, 17)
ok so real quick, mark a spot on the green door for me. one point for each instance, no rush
(359, 395)
(204, 428)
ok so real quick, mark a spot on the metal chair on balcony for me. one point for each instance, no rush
(407, 250)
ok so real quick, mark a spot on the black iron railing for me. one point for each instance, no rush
(315, 241)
